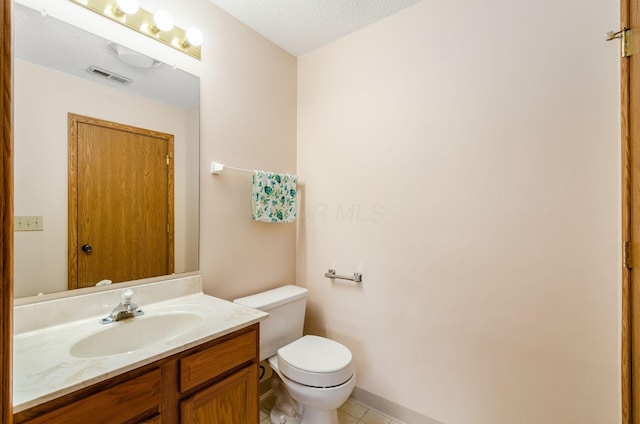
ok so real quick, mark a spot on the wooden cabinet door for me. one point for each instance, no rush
(233, 400)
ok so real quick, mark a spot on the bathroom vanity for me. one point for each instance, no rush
(208, 373)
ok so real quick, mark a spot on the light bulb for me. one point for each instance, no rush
(194, 36)
(162, 20)
(128, 6)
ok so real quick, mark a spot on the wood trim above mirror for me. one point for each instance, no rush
(6, 206)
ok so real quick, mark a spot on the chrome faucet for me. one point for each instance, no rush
(126, 309)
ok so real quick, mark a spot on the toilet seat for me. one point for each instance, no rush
(316, 362)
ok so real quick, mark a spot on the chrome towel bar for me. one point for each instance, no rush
(357, 277)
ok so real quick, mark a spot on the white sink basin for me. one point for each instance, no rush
(135, 333)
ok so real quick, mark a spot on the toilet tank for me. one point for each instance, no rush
(286, 306)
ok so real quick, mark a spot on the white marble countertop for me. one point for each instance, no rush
(45, 369)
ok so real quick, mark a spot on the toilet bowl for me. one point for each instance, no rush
(317, 373)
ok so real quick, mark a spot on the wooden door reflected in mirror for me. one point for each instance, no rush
(120, 202)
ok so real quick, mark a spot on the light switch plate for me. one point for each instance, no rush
(28, 223)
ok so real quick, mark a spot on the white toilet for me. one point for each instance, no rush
(317, 372)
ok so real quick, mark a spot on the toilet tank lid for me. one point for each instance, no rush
(272, 298)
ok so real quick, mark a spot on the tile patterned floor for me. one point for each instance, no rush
(351, 412)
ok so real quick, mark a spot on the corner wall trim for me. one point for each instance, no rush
(391, 408)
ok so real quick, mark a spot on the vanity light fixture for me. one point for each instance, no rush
(193, 37)
(158, 25)
(162, 21)
(125, 7)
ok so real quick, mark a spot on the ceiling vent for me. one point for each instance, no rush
(94, 70)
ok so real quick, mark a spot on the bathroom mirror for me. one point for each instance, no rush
(61, 69)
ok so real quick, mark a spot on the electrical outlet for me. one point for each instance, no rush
(28, 223)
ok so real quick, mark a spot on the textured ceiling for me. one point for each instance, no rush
(300, 26)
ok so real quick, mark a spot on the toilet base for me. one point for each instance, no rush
(278, 417)
(309, 416)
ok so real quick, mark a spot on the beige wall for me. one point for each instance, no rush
(248, 107)
(464, 156)
(43, 98)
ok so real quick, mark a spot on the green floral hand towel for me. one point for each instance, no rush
(274, 197)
